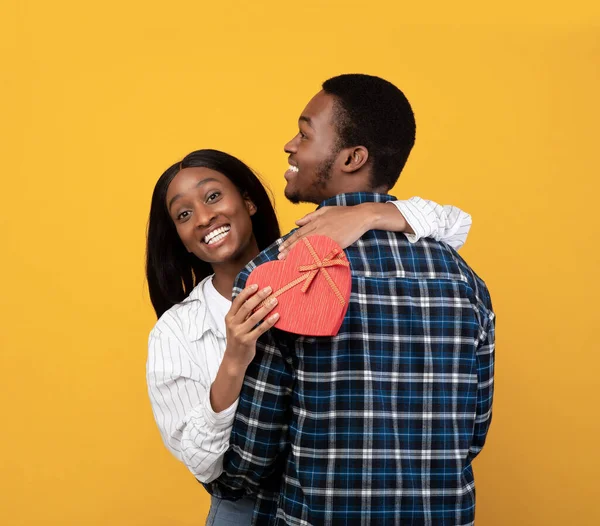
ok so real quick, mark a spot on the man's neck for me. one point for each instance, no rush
(356, 198)
(349, 183)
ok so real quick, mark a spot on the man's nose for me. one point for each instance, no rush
(291, 146)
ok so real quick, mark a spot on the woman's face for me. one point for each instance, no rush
(211, 217)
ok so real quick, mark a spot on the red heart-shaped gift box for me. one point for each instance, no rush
(312, 286)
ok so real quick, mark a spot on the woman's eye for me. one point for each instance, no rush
(302, 135)
(213, 196)
(183, 215)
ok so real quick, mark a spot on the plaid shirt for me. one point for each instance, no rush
(379, 424)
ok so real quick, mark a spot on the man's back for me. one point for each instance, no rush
(385, 417)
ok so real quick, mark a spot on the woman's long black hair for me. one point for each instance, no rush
(172, 272)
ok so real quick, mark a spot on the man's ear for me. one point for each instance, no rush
(354, 158)
(250, 206)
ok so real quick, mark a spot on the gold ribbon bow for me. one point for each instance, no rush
(334, 258)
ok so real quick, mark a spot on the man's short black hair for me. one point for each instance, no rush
(373, 113)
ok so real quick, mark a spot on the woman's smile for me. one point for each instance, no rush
(217, 235)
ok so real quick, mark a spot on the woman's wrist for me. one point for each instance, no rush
(373, 216)
(387, 216)
(228, 383)
(232, 366)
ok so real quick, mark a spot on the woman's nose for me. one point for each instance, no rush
(204, 216)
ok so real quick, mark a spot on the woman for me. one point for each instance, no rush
(210, 215)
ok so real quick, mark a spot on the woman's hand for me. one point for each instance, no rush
(346, 224)
(241, 323)
(242, 334)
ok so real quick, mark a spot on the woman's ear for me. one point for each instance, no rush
(250, 206)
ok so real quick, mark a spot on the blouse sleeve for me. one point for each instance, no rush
(430, 219)
(179, 390)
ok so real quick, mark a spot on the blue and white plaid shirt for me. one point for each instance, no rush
(379, 424)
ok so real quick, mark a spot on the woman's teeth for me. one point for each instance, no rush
(293, 168)
(216, 235)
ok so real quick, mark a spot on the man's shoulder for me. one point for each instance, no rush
(472, 279)
(386, 254)
(391, 253)
(268, 254)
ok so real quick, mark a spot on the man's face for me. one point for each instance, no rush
(313, 153)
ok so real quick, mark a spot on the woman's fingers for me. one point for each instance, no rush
(241, 298)
(287, 245)
(250, 304)
(303, 222)
(290, 240)
(260, 314)
(264, 326)
(310, 216)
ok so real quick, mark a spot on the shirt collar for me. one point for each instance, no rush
(356, 198)
(201, 319)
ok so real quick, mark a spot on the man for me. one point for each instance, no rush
(379, 424)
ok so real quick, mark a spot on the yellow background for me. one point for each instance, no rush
(97, 99)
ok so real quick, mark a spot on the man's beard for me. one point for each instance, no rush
(315, 194)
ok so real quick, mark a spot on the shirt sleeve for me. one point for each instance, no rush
(485, 384)
(180, 397)
(259, 443)
(430, 219)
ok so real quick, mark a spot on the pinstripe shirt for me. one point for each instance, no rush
(379, 424)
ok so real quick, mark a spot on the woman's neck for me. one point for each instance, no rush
(225, 273)
(223, 282)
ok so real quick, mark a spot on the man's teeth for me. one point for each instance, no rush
(216, 235)
(293, 168)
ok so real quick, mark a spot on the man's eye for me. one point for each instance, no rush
(302, 135)
(213, 196)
